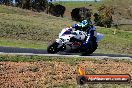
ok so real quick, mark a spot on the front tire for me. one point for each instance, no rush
(53, 48)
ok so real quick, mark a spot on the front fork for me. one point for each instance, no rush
(61, 45)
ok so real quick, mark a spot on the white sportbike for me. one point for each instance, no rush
(69, 41)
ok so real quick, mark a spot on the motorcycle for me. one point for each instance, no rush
(70, 41)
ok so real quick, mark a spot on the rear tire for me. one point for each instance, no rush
(91, 50)
(53, 48)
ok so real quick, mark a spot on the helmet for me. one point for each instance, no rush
(87, 22)
(84, 22)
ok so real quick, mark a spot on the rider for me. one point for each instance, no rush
(89, 28)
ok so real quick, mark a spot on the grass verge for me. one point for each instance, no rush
(17, 58)
(23, 43)
(68, 60)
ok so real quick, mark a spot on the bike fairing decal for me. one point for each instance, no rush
(66, 33)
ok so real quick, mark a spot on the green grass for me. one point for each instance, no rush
(126, 27)
(14, 10)
(118, 2)
(75, 4)
(68, 60)
(17, 24)
(120, 43)
(23, 43)
(20, 58)
(36, 26)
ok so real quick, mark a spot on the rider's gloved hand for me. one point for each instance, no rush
(70, 29)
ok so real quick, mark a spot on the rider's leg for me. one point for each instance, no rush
(88, 43)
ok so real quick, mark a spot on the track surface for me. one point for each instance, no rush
(40, 52)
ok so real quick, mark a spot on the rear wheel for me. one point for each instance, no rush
(90, 50)
(53, 48)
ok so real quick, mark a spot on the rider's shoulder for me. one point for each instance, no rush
(93, 28)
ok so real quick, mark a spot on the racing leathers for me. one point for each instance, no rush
(91, 33)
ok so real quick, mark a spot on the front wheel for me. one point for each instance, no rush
(53, 48)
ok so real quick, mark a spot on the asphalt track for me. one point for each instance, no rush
(41, 52)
